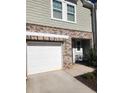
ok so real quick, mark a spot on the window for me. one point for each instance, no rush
(57, 9)
(63, 10)
(70, 13)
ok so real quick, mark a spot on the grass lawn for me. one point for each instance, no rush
(89, 79)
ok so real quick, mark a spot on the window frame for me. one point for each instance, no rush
(68, 3)
(52, 17)
(64, 11)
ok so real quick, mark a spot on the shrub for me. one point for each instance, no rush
(91, 57)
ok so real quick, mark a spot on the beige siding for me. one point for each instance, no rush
(39, 12)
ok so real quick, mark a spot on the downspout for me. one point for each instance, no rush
(94, 25)
(92, 7)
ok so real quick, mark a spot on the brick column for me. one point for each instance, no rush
(67, 53)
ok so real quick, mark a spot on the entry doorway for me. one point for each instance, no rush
(79, 48)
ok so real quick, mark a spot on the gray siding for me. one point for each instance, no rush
(39, 12)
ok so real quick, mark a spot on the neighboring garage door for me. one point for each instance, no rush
(43, 57)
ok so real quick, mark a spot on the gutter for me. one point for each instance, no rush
(87, 4)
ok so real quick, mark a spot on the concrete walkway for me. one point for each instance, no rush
(55, 82)
(79, 69)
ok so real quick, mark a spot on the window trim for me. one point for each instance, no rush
(64, 11)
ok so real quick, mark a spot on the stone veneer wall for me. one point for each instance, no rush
(67, 43)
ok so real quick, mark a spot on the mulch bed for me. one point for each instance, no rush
(90, 82)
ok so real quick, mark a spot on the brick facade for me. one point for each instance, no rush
(67, 43)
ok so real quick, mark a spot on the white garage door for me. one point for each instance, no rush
(43, 57)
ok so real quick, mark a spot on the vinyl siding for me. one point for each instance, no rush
(39, 12)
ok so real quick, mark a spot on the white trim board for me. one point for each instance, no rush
(46, 34)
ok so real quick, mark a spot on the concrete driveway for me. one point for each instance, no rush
(55, 82)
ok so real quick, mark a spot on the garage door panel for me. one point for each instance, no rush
(42, 57)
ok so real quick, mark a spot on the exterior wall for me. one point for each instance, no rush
(67, 43)
(39, 12)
